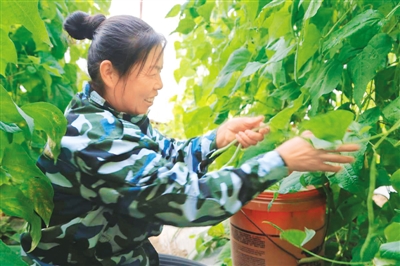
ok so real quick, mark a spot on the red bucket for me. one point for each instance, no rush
(251, 247)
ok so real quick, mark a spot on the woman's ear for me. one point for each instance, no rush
(108, 74)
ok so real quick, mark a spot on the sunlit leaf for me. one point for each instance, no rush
(26, 14)
(312, 9)
(185, 26)
(174, 11)
(237, 61)
(8, 52)
(330, 126)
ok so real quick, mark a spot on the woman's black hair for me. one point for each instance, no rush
(124, 40)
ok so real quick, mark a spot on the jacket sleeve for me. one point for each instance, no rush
(194, 152)
(131, 176)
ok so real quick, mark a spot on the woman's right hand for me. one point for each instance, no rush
(299, 155)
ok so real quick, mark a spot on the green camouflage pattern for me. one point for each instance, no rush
(117, 181)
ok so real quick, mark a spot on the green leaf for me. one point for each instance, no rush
(323, 80)
(185, 26)
(32, 181)
(174, 11)
(392, 232)
(251, 68)
(312, 9)
(282, 48)
(8, 52)
(217, 230)
(364, 20)
(236, 62)
(9, 127)
(392, 111)
(10, 257)
(330, 126)
(11, 113)
(205, 10)
(282, 119)
(364, 66)
(395, 180)
(309, 46)
(24, 13)
(390, 250)
(370, 116)
(297, 237)
(50, 119)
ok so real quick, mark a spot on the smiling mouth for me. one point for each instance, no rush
(150, 100)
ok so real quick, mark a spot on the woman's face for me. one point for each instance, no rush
(135, 93)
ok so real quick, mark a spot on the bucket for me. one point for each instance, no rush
(251, 247)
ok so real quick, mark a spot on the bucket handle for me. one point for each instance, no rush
(273, 242)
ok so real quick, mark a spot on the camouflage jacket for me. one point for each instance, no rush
(118, 180)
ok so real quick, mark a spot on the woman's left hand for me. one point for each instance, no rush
(241, 129)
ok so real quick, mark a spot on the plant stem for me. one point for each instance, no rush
(316, 255)
(339, 21)
(388, 16)
(233, 156)
(371, 189)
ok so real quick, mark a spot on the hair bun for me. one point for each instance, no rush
(81, 25)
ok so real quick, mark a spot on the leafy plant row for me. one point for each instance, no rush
(36, 84)
(328, 66)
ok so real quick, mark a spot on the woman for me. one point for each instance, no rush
(118, 180)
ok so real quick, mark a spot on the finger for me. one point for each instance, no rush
(307, 134)
(244, 140)
(264, 130)
(254, 121)
(254, 136)
(347, 148)
(336, 158)
(330, 168)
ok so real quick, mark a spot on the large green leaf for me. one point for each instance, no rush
(364, 66)
(282, 119)
(8, 53)
(309, 45)
(324, 80)
(9, 257)
(15, 203)
(364, 20)
(25, 13)
(237, 61)
(185, 26)
(330, 126)
(174, 11)
(392, 232)
(395, 180)
(312, 9)
(390, 250)
(31, 180)
(49, 118)
(392, 111)
(11, 113)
